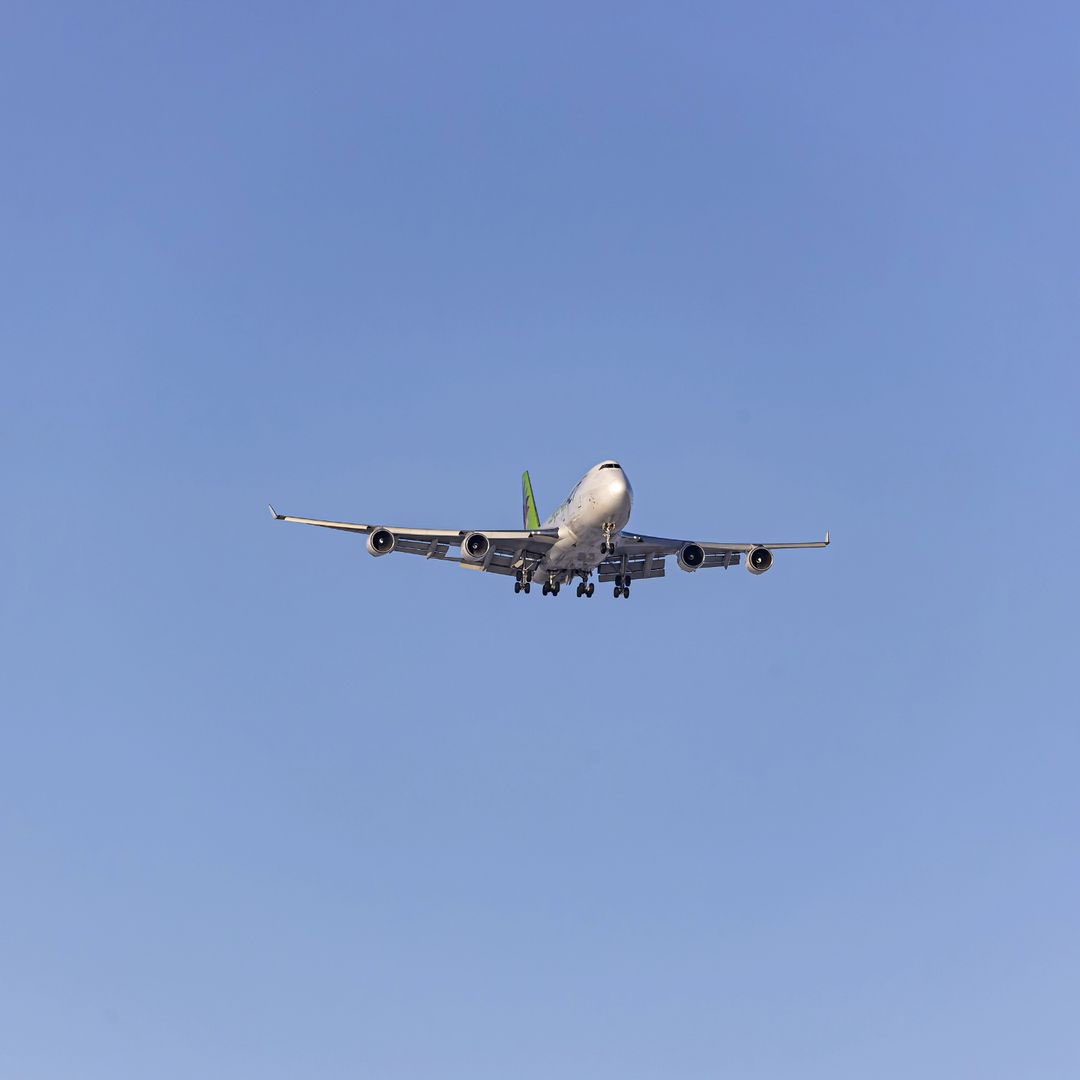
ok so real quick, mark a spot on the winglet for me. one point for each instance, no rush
(826, 537)
(274, 514)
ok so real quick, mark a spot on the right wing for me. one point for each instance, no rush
(507, 551)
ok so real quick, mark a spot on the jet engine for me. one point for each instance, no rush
(381, 542)
(759, 560)
(691, 556)
(474, 547)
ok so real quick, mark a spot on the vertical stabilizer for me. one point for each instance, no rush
(530, 518)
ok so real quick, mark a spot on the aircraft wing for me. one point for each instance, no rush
(505, 552)
(636, 543)
(640, 556)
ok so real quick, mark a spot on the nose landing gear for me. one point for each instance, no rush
(607, 547)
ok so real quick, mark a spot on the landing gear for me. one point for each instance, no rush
(607, 547)
(622, 586)
(555, 581)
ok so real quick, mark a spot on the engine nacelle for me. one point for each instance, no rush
(759, 560)
(475, 547)
(691, 556)
(380, 542)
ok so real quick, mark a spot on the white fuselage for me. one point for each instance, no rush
(596, 510)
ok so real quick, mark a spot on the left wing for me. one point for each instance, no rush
(504, 551)
(636, 544)
(640, 556)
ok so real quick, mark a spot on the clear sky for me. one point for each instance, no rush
(270, 808)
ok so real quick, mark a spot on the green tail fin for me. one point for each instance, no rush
(530, 517)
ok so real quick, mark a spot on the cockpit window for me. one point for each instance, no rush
(610, 465)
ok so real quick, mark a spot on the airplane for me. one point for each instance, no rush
(585, 535)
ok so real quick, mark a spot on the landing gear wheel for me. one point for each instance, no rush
(555, 590)
(581, 591)
(590, 589)
(626, 592)
(528, 586)
(517, 586)
(546, 589)
(618, 592)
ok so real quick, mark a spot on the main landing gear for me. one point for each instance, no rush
(622, 586)
(553, 584)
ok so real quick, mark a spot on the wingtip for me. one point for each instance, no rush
(274, 514)
(826, 537)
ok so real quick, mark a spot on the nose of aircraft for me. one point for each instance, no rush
(617, 495)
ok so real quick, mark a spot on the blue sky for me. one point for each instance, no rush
(269, 808)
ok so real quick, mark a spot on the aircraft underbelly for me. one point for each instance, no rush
(575, 552)
(578, 548)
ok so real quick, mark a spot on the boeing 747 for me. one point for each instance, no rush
(586, 535)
